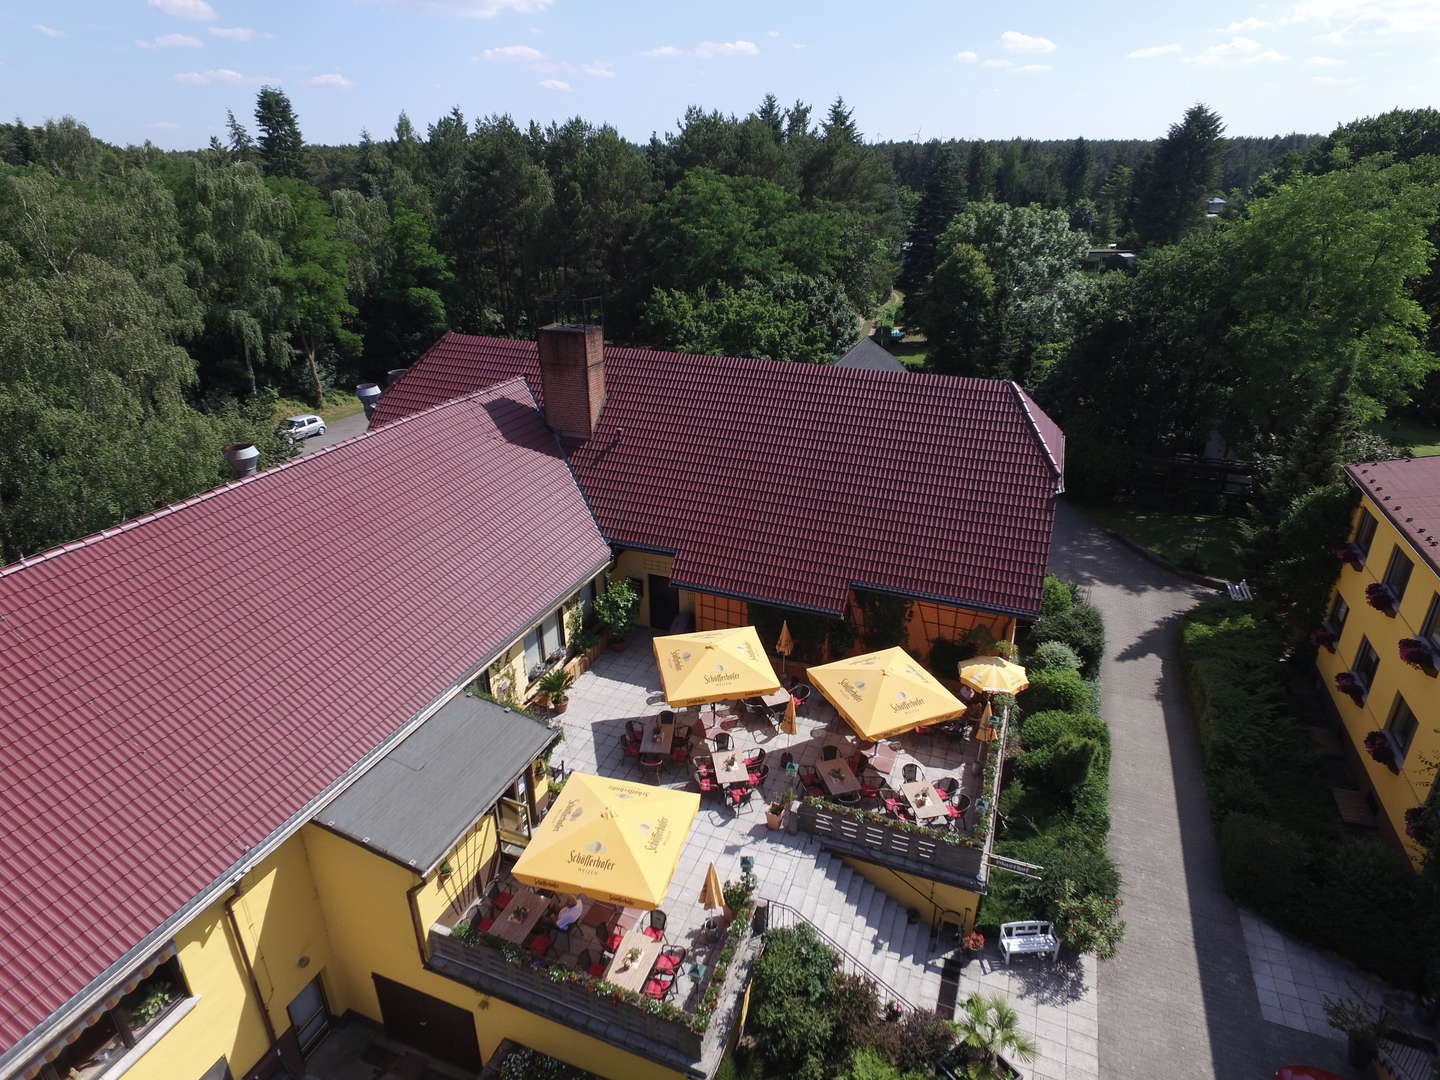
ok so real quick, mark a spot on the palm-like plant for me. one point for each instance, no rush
(987, 1028)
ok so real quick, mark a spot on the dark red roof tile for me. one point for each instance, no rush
(790, 482)
(177, 688)
(1408, 491)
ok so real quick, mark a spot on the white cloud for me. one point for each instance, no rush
(334, 81)
(1018, 42)
(1236, 46)
(1244, 26)
(163, 125)
(772, 33)
(966, 57)
(554, 84)
(49, 31)
(1323, 62)
(512, 52)
(727, 48)
(198, 10)
(1154, 50)
(472, 9)
(663, 50)
(997, 63)
(1347, 20)
(1236, 51)
(237, 33)
(1033, 67)
(1331, 80)
(799, 46)
(171, 41)
(217, 75)
(599, 70)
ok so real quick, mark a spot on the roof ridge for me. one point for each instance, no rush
(1025, 401)
(277, 469)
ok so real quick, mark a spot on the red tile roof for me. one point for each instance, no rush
(789, 482)
(1408, 492)
(172, 691)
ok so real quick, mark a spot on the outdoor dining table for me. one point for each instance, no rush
(657, 738)
(515, 923)
(632, 976)
(730, 767)
(775, 701)
(932, 808)
(837, 777)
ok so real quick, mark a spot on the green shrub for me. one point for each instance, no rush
(1263, 865)
(870, 1063)
(615, 607)
(1044, 729)
(790, 1014)
(1082, 627)
(1057, 596)
(1066, 855)
(1068, 762)
(1054, 655)
(1058, 688)
(947, 655)
(914, 1042)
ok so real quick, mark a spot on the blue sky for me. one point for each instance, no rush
(166, 70)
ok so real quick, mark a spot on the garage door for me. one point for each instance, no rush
(438, 1028)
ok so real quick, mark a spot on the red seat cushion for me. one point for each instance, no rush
(484, 924)
(653, 934)
(614, 942)
(657, 988)
(503, 900)
(597, 970)
(667, 964)
(539, 944)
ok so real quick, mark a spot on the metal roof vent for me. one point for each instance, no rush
(243, 459)
(369, 395)
(393, 375)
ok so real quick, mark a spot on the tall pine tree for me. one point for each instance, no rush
(281, 146)
(1171, 186)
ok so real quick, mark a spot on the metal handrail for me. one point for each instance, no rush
(848, 962)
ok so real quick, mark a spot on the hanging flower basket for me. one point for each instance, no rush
(1381, 749)
(1350, 554)
(1322, 637)
(1349, 684)
(1420, 825)
(1419, 653)
(1381, 597)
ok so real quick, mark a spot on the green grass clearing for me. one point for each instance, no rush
(1423, 439)
(1205, 543)
(913, 354)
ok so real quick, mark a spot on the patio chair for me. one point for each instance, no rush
(801, 694)
(485, 924)
(830, 753)
(739, 794)
(912, 772)
(757, 777)
(849, 798)
(858, 763)
(635, 728)
(703, 765)
(947, 786)
(656, 930)
(755, 757)
(667, 716)
(629, 746)
(539, 944)
(682, 733)
(502, 900)
(963, 802)
(810, 781)
(659, 987)
(706, 784)
(680, 752)
(722, 740)
(671, 960)
(590, 966)
(655, 760)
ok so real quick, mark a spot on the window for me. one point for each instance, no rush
(534, 651)
(1397, 574)
(552, 634)
(1430, 628)
(1401, 726)
(587, 599)
(1364, 531)
(1339, 612)
(125, 1021)
(1367, 662)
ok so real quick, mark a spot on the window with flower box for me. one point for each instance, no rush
(1364, 532)
(1367, 662)
(1339, 612)
(1401, 727)
(1397, 574)
(1430, 628)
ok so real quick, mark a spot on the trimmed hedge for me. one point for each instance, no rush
(1282, 851)
(1081, 626)
(1052, 655)
(1061, 689)
(1057, 596)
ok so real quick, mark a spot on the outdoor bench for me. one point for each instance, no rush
(1028, 937)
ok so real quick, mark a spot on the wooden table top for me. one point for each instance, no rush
(837, 777)
(514, 930)
(634, 976)
(934, 806)
(725, 772)
(654, 742)
(777, 699)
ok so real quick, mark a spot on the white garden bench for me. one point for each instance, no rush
(1028, 937)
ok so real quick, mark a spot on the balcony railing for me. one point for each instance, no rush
(668, 1035)
(875, 840)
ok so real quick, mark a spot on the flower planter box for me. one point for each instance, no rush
(880, 842)
(1352, 686)
(1382, 598)
(1350, 555)
(1382, 750)
(1419, 653)
(1323, 637)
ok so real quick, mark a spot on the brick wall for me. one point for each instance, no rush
(572, 373)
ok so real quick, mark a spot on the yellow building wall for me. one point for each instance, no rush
(934, 901)
(448, 897)
(640, 565)
(280, 921)
(1411, 786)
(509, 676)
(364, 900)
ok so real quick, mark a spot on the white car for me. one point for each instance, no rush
(296, 428)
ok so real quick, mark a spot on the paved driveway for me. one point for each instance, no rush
(345, 428)
(1180, 1000)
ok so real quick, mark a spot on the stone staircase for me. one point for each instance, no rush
(869, 925)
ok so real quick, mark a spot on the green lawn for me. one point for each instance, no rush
(1206, 543)
(1423, 439)
(911, 353)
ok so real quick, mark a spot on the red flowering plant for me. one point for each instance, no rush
(1379, 747)
(1418, 653)
(1381, 597)
(974, 941)
(1349, 553)
(1420, 824)
(1348, 683)
(1322, 637)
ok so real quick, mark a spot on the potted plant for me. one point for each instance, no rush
(1420, 824)
(1381, 749)
(989, 1032)
(1322, 637)
(1003, 648)
(1350, 554)
(554, 683)
(1419, 653)
(445, 870)
(1349, 684)
(775, 812)
(1364, 1028)
(1381, 597)
(973, 943)
(615, 608)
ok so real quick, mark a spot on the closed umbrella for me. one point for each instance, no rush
(612, 840)
(786, 645)
(712, 895)
(884, 693)
(993, 675)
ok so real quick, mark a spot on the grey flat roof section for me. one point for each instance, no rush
(866, 354)
(422, 796)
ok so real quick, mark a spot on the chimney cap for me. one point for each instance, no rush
(573, 312)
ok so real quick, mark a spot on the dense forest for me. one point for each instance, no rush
(157, 304)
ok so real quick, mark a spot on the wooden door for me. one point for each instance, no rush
(436, 1027)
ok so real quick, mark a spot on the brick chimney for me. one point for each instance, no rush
(572, 376)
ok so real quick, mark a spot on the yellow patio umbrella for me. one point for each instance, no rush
(884, 693)
(785, 645)
(788, 725)
(993, 675)
(612, 840)
(712, 895)
(714, 665)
